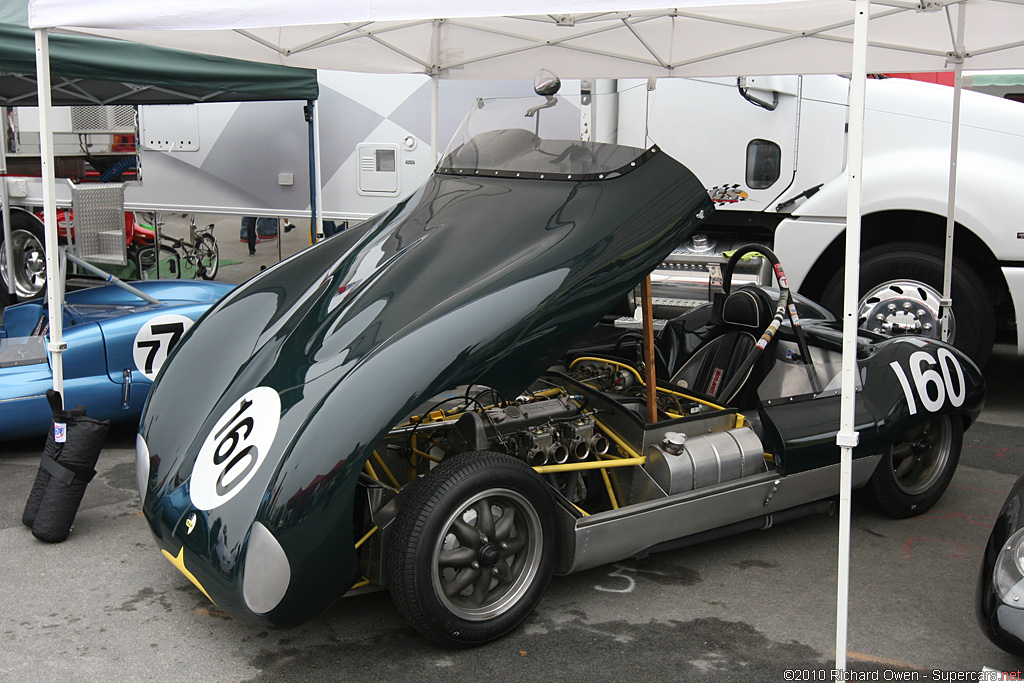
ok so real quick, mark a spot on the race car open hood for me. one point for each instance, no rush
(263, 416)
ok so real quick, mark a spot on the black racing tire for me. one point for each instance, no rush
(915, 471)
(27, 235)
(481, 521)
(887, 269)
(208, 255)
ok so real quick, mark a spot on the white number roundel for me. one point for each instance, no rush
(155, 340)
(235, 448)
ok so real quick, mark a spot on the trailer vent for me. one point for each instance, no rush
(378, 170)
(103, 119)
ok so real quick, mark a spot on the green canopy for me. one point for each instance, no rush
(87, 70)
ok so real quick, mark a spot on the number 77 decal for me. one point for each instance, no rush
(154, 342)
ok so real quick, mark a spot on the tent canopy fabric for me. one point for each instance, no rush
(574, 38)
(90, 70)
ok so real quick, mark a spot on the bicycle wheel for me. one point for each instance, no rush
(207, 257)
(153, 265)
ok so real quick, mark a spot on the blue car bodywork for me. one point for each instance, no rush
(112, 354)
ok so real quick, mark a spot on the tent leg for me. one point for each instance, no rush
(957, 59)
(56, 313)
(308, 112)
(5, 207)
(846, 438)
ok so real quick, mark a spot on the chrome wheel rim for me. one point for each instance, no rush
(29, 264)
(488, 555)
(903, 307)
(919, 457)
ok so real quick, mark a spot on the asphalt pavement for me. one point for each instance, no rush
(106, 606)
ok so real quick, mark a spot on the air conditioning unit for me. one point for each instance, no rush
(118, 118)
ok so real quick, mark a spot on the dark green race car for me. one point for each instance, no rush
(397, 406)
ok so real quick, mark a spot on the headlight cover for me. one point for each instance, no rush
(1008, 573)
(267, 572)
(141, 466)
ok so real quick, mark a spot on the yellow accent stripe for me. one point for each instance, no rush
(179, 562)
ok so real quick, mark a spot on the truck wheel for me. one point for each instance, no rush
(915, 471)
(901, 286)
(473, 549)
(29, 269)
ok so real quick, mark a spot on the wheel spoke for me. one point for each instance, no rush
(505, 524)
(504, 573)
(467, 535)
(901, 451)
(462, 580)
(481, 587)
(903, 468)
(460, 557)
(484, 519)
(513, 545)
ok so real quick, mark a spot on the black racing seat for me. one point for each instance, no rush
(742, 316)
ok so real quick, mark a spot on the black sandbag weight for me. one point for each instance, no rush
(65, 470)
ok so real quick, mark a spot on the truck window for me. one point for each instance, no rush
(764, 163)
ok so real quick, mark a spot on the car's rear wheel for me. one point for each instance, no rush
(917, 468)
(473, 549)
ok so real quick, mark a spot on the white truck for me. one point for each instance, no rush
(772, 152)
(770, 149)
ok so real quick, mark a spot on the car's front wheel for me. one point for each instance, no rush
(917, 468)
(473, 549)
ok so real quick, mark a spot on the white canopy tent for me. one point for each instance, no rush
(593, 38)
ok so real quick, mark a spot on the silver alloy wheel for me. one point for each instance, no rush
(900, 307)
(919, 457)
(488, 556)
(29, 264)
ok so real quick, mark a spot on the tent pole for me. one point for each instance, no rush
(847, 436)
(435, 82)
(5, 206)
(56, 346)
(957, 59)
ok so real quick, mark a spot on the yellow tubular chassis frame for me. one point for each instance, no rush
(628, 456)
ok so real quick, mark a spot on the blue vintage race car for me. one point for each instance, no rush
(116, 344)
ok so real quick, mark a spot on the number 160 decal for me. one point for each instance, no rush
(933, 385)
(235, 448)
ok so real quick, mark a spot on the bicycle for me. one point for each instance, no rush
(201, 254)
